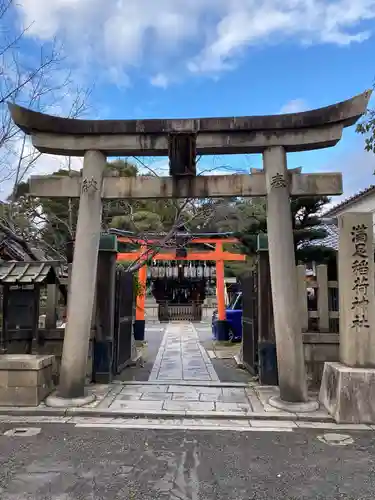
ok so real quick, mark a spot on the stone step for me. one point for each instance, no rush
(192, 383)
(6, 412)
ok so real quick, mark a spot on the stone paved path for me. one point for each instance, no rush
(184, 398)
(183, 383)
(181, 357)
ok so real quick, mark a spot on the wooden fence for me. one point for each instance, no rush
(318, 301)
(319, 310)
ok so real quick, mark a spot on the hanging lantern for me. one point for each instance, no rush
(154, 271)
(162, 271)
(193, 271)
(169, 270)
(206, 270)
(186, 271)
(149, 272)
(175, 271)
(200, 271)
(213, 271)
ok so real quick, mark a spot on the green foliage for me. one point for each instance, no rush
(122, 168)
(143, 220)
(367, 128)
(306, 229)
(54, 220)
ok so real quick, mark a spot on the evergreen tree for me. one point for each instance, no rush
(307, 228)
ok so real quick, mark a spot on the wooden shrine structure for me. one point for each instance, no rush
(184, 281)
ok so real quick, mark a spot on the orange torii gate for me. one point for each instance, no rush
(218, 255)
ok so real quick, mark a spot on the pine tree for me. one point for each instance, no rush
(307, 228)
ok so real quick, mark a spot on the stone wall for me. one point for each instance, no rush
(319, 348)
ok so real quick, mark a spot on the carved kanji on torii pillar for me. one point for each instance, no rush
(272, 136)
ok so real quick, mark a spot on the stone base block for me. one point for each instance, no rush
(25, 379)
(348, 393)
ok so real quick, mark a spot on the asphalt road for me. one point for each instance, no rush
(68, 463)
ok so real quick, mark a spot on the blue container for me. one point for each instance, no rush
(233, 329)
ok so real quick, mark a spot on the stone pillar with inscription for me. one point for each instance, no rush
(82, 287)
(348, 387)
(288, 331)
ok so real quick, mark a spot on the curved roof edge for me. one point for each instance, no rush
(345, 112)
(347, 202)
(151, 234)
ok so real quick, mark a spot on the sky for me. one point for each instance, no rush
(201, 58)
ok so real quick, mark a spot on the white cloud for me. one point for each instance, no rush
(160, 80)
(32, 164)
(294, 106)
(206, 36)
(358, 169)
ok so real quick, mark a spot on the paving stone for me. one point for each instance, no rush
(216, 422)
(237, 407)
(137, 405)
(156, 396)
(144, 422)
(203, 378)
(195, 388)
(235, 399)
(213, 397)
(223, 414)
(225, 398)
(170, 378)
(254, 401)
(136, 396)
(181, 356)
(187, 396)
(234, 391)
(188, 405)
(91, 420)
(273, 423)
(144, 388)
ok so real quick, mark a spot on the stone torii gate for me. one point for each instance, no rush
(181, 140)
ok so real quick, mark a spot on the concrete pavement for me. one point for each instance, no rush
(67, 462)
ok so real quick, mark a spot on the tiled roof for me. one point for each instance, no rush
(25, 273)
(349, 201)
(11, 250)
(332, 238)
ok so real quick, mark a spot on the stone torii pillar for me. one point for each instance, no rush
(83, 281)
(182, 139)
(288, 331)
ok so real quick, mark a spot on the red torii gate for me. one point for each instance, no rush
(218, 255)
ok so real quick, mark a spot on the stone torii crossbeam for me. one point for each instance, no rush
(181, 140)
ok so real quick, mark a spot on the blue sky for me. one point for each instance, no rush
(193, 58)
